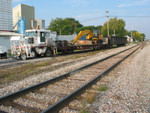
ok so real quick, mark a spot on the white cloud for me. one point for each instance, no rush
(18, 0)
(77, 2)
(135, 3)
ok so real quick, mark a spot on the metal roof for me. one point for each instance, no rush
(9, 34)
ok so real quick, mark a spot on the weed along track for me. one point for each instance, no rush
(62, 93)
(7, 63)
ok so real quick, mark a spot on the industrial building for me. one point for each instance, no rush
(6, 15)
(23, 11)
(38, 23)
(5, 26)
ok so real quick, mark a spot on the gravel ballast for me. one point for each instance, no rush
(32, 80)
(130, 91)
(47, 75)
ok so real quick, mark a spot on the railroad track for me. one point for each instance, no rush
(53, 95)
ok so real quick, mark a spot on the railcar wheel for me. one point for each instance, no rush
(99, 48)
(14, 57)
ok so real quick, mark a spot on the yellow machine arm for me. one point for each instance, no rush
(83, 33)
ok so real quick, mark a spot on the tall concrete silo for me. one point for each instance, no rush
(6, 15)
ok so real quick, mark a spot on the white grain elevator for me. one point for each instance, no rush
(6, 15)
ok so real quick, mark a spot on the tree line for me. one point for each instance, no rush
(68, 26)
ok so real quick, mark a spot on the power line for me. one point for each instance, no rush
(132, 16)
(97, 18)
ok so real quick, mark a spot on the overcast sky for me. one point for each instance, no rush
(135, 13)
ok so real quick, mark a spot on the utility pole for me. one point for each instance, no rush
(60, 31)
(107, 23)
(132, 33)
(114, 32)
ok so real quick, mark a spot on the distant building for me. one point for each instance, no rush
(24, 11)
(5, 41)
(6, 15)
(33, 24)
(129, 39)
(38, 23)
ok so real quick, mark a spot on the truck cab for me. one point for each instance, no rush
(36, 42)
(40, 37)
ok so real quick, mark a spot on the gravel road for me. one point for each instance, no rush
(130, 90)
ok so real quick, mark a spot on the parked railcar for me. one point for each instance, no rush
(119, 41)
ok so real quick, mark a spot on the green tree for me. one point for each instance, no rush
(92, 28)
(143, 36)
(65, 26)
(84, 28)
(117, 25)
(138, 36)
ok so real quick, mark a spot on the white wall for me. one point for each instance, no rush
(5, 42)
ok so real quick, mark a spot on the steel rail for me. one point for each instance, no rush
(24, 91)
(67, 99)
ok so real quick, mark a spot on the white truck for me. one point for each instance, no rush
(3, 52)
(36, 42)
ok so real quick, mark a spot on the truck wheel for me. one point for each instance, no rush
(13, 57)
(33, 53)
(23, 57)
(49, 53)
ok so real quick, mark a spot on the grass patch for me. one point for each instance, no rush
(76, 50)
(91, 98)
(81, 55)
(20, 72)
(114, 46)
(76, 57)
(103, 88)
(118, 97)
(88, 98)
(84, 55)
(135, 42)
(84, 109)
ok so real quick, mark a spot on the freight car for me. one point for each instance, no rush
(119, 41)
(45, 43)
(65, 47)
